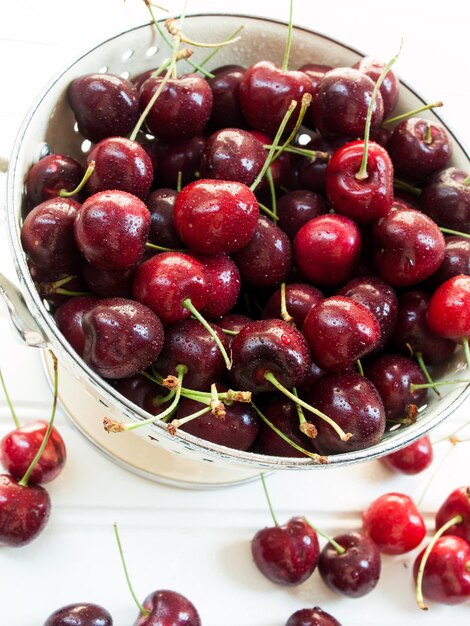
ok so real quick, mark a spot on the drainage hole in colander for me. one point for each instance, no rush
(86, 145)
(152, 51)
(127, 55)
(124, 75)
(103, 69)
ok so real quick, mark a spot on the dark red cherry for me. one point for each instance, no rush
(182, 109)
(50, 175)
(296, 208)
(111, 230)
(456, 260)
(354, 404)
(339, 331)
(122, 337)
(69, 316)
(446, 199)
(448, 312)
(419, 148)
(162, 232)
(312, 617)
(104, 105)
(225, 86)
(412, 459)
(120, 164)
(394, 523)
(286, 554)
(341, 104)
(234, 322)
(312, 174)
(24, 511)
(181, 156)
(80, 615)
(326, 250)
(168, 608)
(216, 216)
(409, 247)
(315, 71)
(142, 392)
(47, 235)
(379, 298)
(224, 279)
(106, 283)
(456, 503)
(266, 92)
(356, 571)
(266, 260)
(300, 298)
(390, 87)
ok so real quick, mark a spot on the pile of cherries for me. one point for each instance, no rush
(165, 232)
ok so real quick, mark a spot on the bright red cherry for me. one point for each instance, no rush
(449, 309)
(50, 175)
(168, 608)
(456, 503)
(411, 459)
(389, 89)
(312, 617)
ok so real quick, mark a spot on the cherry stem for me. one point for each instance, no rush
(428, 135)
(404, 186)
(190, 307)
(24, 481)
(414, 387)
(449, 231)
(323, 460)
(9, 402)
(466, 181)
(159, 400)
(234, 333)
(452, 435)
(312, 154)
(174, 30)
(339, 549)
(63, 193)
(285, 61)
(272, 191)
(179, 181)
(436, 471)
(142, 610)
(214, 52)
(362, 173)
(266, 493)
(466, 350)
(285, 315)
(175, 424)
(304, 104)
(457, 519)
(422, 364)
(268, 211)
(404, 116)
(305, 427)
(269, 376)
(153, 246)
(360, 369)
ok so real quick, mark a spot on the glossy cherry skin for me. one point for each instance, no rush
(296, 208)
(300, 298)
(104, 105)
(327, 249)
(413, 157)
(47, 235)
(449, 309)
(50, 175)
(412, 459)
(364, 200)
(447, 200)
(234, 322)
(315, 71)
(120, 164)
(412, 329)
(166, 280)
(182, 109)
(142, 392)
(24, 511)
(168, 608)
(353, 573)
(339, 331)
(161, 203)
(456, 503)
(354, 404)
(312, 617)
(379, 298)
(215, 216)
(69, 316)
(122, 337)
(312, 174)
(19, 447)
(286, 554)
(409, 247)
(111, 230)
(394, 523)
(390, 87)
(106, 283)
(456, 260)
(224, 279)
(225, 86)
(181, 156)
(392, 375)
(446, 576)
(266, 92)
(340, 106)
(266, 260)
(80, 615)
(269, 346)
(188, 343)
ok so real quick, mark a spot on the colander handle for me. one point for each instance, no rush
(22, 319)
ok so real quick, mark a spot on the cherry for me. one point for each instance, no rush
(456, 260)
(394, 523)
(456, 503)
(446, 199)
(106, 283)
(312, 174)
(389, 89)
(411, 459)
(120, 164)
(50, 175)
(69, 316)
(449, 311)
(182, 109)
(47, 235)
(225, 86)
(354, 570)
(161, 203)
(296, 208)
(312, 617)
(418, 148)
(183, 156)
(216, 216)
(339, 331)
(111, 230)
(82, 614)
(409, 247)
(233, 322)
(315, 71)
(326, 250)
(224, 279)
(168, 608)
(143, 392)
(104, 105)
(300, 298)
(122, 337)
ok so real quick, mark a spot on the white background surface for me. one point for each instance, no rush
(198, 542)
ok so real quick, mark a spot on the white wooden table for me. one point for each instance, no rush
(198, 542)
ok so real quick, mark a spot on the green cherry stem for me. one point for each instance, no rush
(63, 193)
(360, 369)
(305, 427)
(179, 181)
(175, 424)
(304, 104)
(285, 315)
(466, 181)
(153, 246)
(24, 481)
(452, 435)
(313, 155)
(449, 231)
(9, 402)
(142, 610)
(214, 52)
(404, 186)
(414, 387)
(268, 211)
(457, 519)
(285, 60)
(424, 369)
(339, 549)
(233, 333)
(404, 116)
(174, 30)
(466, 350)
(269, 376)
(190, 306)
(266, 493)
(428, 134)
(272, 191)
